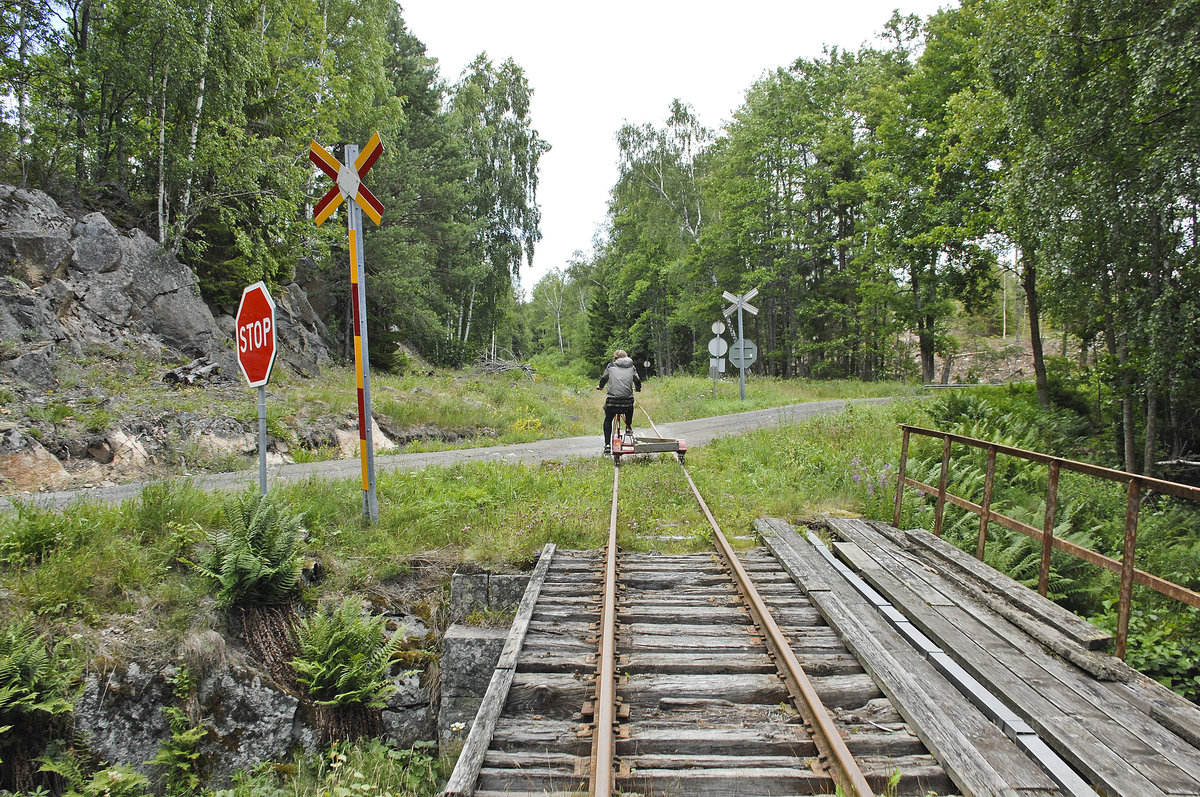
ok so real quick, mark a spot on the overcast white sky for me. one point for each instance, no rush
(594, 66)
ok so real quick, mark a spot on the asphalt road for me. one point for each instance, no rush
(696, 432)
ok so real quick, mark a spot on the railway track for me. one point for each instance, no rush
(694, 674)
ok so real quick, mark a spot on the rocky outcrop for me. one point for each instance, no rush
(25, 465)
(67, 283)
(248, 717)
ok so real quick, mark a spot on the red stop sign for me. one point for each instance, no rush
(255, 335)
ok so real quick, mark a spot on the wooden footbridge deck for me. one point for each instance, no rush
(853, 659)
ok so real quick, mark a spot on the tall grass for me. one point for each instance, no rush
(682, 398)
(832, 464)
(366, 767)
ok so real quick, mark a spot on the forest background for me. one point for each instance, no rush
(881, 199)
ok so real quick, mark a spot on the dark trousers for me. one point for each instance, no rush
(611, 412)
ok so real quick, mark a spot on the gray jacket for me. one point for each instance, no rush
(622, 378)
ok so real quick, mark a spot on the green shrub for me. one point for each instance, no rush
(33, 689)
(177, 756)
(99, 420)
(28, 535)
(344, 657)
(54, 413)
(1163, 642)
(365, 767)
(77, 771)
(254, 561)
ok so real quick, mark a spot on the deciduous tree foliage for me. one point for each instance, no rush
(1106, 192)
(873, 196)
(192, 119)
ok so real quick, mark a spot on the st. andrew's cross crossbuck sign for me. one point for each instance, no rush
(348, 179)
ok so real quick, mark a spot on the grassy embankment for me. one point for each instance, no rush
(93, 566)
(93, 560)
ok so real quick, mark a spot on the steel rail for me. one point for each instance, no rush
(604, 709)
(834, 755)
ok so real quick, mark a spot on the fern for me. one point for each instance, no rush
(344, 657)
(32, 683)
(178, 756)
(1071, 581)
(254, 561)
(119, 781)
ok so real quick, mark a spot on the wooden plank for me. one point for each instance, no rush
(559, 735)
(1099, 665)
(736, 661)
(1013, 596)
(548, 694)
(559, 628)
(650, 689)
(1118, 724)
(807, 577)
(679, 630)
(898, 743)
(689, 759)
(682, 602)
(667, 643)
(660, 738)
(1006, 671)
(973, 751)
(556, 660)
(694, 662)
(539, 780)
(470, 760)
(520, 624)
(644, 612)
(1125, 726)
(554, 614)
(869, 568)
(1174, 712)
(733, 781)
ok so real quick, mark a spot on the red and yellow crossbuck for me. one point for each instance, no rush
(348, 179)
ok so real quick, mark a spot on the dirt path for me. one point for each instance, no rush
(697, 433)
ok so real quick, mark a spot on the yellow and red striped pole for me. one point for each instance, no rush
(362, 366)
(349, 185)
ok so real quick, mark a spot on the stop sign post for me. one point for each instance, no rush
(255, 339)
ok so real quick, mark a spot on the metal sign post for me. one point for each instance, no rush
(349, 186)
(717, 348)
(741, 303)
(262, 440)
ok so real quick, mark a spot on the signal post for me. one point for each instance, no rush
(348, 179)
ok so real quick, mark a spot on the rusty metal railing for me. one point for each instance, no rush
(1137, 484)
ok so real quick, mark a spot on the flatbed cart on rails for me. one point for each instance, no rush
(627, 443)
